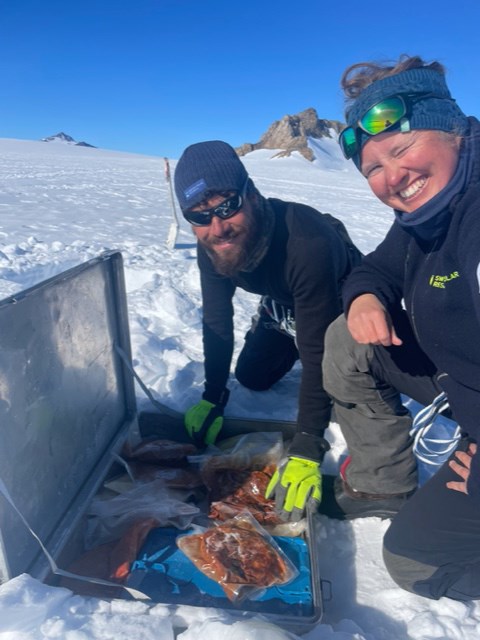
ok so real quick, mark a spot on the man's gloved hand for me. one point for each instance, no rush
(295, 482)
(203, 422)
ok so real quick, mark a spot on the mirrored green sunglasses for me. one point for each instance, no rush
(379, 118)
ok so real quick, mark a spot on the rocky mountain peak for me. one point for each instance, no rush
(291, 133)
(64, 138)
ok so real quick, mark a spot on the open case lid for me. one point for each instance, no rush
(67, 400)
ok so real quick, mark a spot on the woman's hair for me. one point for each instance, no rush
(360, 75)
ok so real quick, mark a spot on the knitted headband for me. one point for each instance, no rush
(207, 166)
(440, 112)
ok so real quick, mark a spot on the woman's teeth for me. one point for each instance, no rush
(413, 189)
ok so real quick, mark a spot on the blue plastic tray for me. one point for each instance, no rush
(164, 573)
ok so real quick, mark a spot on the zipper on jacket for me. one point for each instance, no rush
(427, 258)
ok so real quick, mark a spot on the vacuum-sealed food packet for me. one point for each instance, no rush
(159, 451)
(245, 490)
(240, 556)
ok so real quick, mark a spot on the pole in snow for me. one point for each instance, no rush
(174, 227)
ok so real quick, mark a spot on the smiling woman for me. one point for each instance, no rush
(405, 334)
(406, 171)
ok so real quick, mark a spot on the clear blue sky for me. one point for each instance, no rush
(152, 76)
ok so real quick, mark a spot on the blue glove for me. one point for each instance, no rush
(294, 483)
(203, 422)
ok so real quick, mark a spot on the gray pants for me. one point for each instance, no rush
(369, 409)
(431, 547)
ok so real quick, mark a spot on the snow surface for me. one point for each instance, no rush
(62, 205)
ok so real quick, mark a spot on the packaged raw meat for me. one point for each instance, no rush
(159, 451)
(238, 490)
(240, 556)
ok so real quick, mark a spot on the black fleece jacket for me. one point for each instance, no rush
(307, 261)
(439, 281)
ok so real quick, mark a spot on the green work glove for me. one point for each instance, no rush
(294, 483)
(203, 422)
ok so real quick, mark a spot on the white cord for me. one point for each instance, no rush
(429, 449)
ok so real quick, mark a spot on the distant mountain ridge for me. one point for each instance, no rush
(291, 133)
(64, 138)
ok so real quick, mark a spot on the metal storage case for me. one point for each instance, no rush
(67, 403)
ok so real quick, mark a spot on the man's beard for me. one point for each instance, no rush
(230, 263)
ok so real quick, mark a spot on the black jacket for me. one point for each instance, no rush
(307, 261)
(439, 282)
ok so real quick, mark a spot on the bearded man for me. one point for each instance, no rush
(296, 258)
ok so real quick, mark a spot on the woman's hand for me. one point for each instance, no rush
(461, 466)
(370, 323)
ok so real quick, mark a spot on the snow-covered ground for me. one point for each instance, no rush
(61, 205)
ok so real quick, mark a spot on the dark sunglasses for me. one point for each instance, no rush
(226, 209)
(379, 118)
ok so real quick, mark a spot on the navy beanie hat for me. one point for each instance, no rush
(438, 111)
(207, 166)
